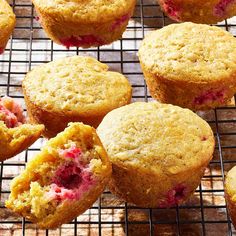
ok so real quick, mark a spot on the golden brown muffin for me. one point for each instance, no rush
(199, 11)
(7, 23)
(84, 23)
(190, 65)
(73, 89)
(158, 152)
(230, 193)
(63, 180)
(15, 136)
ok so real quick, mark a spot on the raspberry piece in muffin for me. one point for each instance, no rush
(80, 41)
(11, 113)
(63, 180)
(199, 11)
(221, 7)
(174, 196)
(1, 51)
(172, 9)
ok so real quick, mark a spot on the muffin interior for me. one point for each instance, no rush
(174, 196)
(82, 40)
(11, 113)
(66, 176)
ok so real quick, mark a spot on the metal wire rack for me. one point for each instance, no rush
(204, 214)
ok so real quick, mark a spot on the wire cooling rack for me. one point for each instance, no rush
(204, 214)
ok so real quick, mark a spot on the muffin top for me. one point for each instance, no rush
(97, 11)
(157, 137)
(76, 86)
(7, 17)
(189, 52)
(230, 183)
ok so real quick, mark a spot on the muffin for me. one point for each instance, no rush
(73, 89)
(7, 24)
(230, 193)
(63, 180)
(84, 23)
(190, 65)
(200, 11)
(158, 152)
(15, 136)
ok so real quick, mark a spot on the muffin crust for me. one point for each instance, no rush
(158, 152)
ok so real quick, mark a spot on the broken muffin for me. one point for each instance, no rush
(63, 180)
(15, 135)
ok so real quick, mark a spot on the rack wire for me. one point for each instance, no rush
(204, 214)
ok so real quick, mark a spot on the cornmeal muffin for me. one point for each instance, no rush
(230, 193)
(158, 152)
(200, 11)
(7, 24)
(63, 180)
(15, 136)
(84, 23)
(190, 65)
(73, 89)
